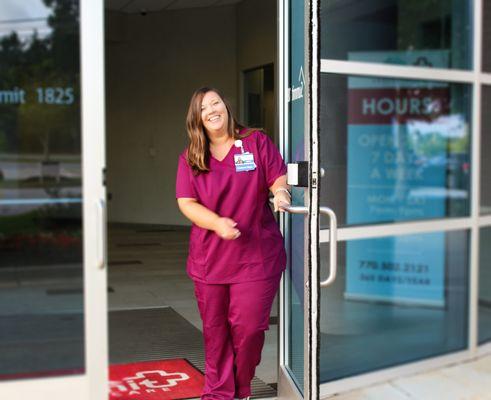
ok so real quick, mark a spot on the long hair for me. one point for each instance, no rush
(198, 151)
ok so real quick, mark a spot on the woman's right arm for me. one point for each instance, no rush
(207, 219)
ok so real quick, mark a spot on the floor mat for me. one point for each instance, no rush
(161, 333)
(155, 380)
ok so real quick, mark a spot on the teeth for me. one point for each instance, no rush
(214, 118)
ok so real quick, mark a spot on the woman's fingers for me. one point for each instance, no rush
(281, 200)
(231, 222)
(227, 230)
(230, 235)
(282, 204)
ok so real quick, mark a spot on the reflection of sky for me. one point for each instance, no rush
(448, 126)
(23, 17)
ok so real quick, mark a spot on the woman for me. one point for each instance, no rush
(236, 253)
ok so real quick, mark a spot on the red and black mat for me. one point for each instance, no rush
(155, 380)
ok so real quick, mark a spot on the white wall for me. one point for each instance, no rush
(152, 70)
(153, 65)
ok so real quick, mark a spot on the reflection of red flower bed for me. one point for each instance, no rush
(44, 248)
(41, 240)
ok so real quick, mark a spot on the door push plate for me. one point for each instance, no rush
(298, 174)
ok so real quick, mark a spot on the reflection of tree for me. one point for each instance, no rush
(52, 61)
(430, 144)
(11, 54)
(424, 24)
(64, 39)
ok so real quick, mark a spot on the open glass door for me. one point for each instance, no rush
(298, 375)
(52, 201)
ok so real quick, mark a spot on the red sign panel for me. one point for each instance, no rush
(152, 380)
(396, 105)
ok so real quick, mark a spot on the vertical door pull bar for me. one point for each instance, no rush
(100, 230)
(333, 243)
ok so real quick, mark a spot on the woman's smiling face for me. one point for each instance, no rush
(214, 114)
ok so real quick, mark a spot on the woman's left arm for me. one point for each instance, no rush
(281, 193)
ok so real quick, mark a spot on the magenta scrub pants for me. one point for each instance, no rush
(235, 317)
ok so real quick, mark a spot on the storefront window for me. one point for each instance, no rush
(485, 151)
(394, 150)
(434, 34)
(395, 300)
(41, 274)
(485, 285)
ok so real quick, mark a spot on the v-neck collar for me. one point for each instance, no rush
(226, 155)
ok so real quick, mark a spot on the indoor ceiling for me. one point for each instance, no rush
(138, 6)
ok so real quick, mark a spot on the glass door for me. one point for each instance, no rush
(396, 139)
(395, 142)
(299, 296)
(52, 211)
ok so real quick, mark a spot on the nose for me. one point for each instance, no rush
(205, 112)
(208, 109)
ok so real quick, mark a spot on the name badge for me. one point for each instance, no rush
(244, 162)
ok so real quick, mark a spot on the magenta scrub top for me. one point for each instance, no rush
(258, 253)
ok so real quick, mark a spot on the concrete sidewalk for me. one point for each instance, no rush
(464, 381)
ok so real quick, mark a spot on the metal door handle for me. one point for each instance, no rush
(295, 209)
(333, 244)
(100, 230)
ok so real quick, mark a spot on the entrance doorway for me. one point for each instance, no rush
(156, 56)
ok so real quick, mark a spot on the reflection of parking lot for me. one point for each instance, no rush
(22, 189)
(21, 170)
(438, 193)
(19, 201)
(24, 289)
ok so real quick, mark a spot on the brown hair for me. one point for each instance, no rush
(198, 151)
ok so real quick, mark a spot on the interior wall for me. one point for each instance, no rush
(257, 46)
(256, 34)
(153, 64)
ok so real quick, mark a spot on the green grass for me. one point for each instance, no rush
(25, 223)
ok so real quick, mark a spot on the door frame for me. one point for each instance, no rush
(93, 384)
(94, 189)
(286, 385)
